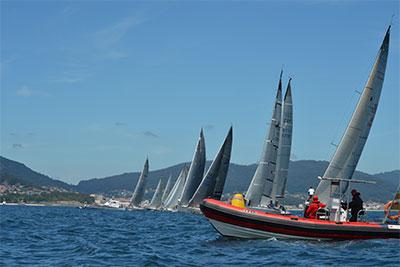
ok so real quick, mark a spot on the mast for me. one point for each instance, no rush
(213, 182)
(261, 184)
(138, 193)
(348, 153)
(196, 171)
(285, 145)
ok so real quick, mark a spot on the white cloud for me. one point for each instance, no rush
(82, 59)
(114, 55)
(68, 80)
(68, 11)
(74, 75)
(25, 91)
(111, 35)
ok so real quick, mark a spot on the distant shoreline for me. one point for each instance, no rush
(42, 204)
(76, 205)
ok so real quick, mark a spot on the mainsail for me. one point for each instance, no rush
(348, 153)
(167, 189)
(196, 171)
(155, 202)
(213, 182)
(261, 184)
(138, 194)
(176, 192)
(285, 144)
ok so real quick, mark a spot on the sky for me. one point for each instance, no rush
(91, 88)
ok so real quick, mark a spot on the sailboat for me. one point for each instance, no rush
(156, 200)
(167, 189)
(338, 175)
(261, 183)
(172, 201)
(243, 222)
(213, 182)
(269, 180)
(196, 171)
(139, 191)
(285, 145)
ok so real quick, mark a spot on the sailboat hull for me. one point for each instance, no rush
(249, 223)
(189, 209)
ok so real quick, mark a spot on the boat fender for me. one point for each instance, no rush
(393, 227)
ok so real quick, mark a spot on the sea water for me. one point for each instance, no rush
(66, 236)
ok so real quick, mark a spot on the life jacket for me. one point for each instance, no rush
(313, 208)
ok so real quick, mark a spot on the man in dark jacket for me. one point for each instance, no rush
(355, 205)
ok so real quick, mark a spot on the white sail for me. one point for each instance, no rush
(196, 171)
(167, 189)
(349, 150)
(155, 202)
(285, 145)
(261, 184)
(213, 182)
(138, 193)
(176, 192)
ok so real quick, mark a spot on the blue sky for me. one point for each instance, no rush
(89, 89)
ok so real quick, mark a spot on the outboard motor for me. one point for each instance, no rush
(322, 214)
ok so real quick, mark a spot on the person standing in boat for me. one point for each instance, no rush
(355, 205)
(312, 209)
(310, 193)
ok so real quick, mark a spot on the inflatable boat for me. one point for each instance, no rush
(233, 221)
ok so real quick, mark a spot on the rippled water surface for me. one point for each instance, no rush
(65, 236)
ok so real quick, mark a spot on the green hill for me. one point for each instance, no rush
(13, 172)
(302, 174)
